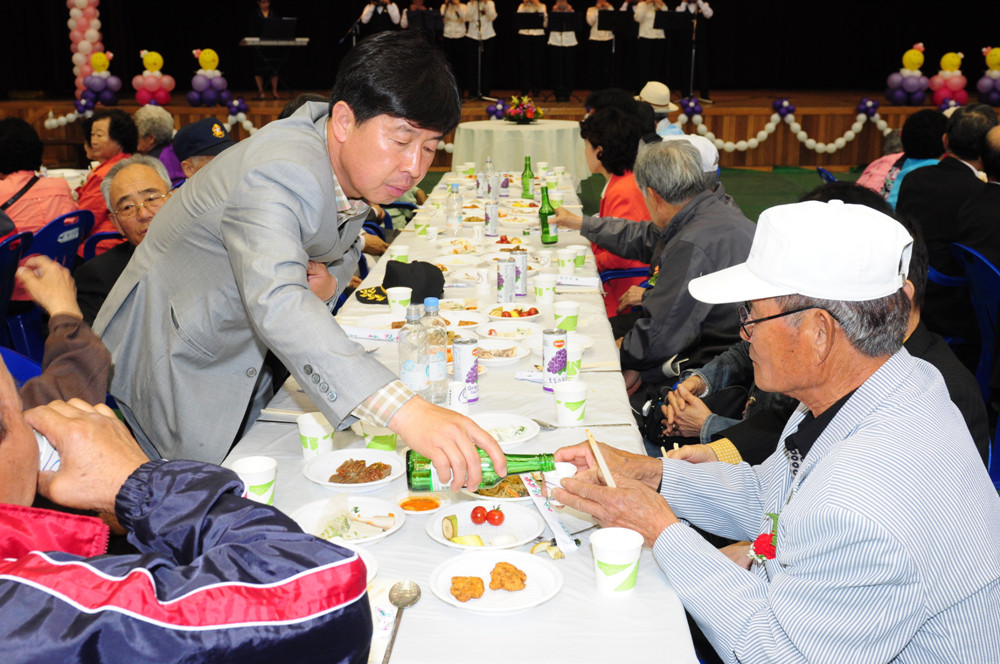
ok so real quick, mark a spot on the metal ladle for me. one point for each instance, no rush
(401, 595)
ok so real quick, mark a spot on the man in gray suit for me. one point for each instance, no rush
(221, 277)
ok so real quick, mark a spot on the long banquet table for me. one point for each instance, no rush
(578, 624)
(554, 141)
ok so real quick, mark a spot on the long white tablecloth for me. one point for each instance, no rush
(554, 141)
(578, 624)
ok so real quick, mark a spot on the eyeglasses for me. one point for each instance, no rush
(130, 211)
(746, 325)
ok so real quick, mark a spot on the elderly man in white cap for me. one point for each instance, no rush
(709, 163)
(869, 543)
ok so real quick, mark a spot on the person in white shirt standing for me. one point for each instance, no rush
(531, 49)
(702, 11)
(600, 46)
(453, 14)
(652, 42)
(379, 15)
(562, 55)
(480, 36)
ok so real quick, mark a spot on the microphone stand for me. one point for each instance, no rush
(694, 51)
(479, 56)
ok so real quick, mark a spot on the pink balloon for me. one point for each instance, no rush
(137, 82)
(941, 95)
(936, 82)
(162, 97)
(99, 47)
(86, 70)
(76, 36)
(74, 48)
(151, 83)
(143, 97)
(95, 3)
(90, 11)
(82, 23)
(70, 4)
(167, 83)
(961, 96)
(78, 82)
(956, 82)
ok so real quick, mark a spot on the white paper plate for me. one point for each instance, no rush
(443, 501)
(523, 524)
(458, 245)
(523, 499)
(517, 220)
(544, 580)
(452, 304)
(501, 344)
(377, 321)
(456, 317)
(308, 517)
(515, 305)
(453, 260)
(322, 467)
(371, 564)
(523, 205)
(497, 244)
(508, 328)
(500, 425)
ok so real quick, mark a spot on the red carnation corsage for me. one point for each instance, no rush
(764, 547)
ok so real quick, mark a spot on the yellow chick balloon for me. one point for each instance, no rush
(99, 62)
(152, 61)
(208, 59)
(992, 59)
(913, 59)
(951, 61)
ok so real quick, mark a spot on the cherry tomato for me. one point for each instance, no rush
(531, 312)
(494, 516)
(505, 314)
(479, 515)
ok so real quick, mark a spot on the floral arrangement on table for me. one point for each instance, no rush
(522, 110)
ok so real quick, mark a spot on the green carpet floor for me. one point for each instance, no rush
(754, 191)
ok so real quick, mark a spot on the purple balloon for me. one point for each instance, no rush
(200, 83)
(993, 97)
(114, 83)
(984, 85)
(89, 95)
(492, 108)
(210, 97)
(895, 80)
(924, 82)
(897, 96)
(194, 98)
(917, 98)
(97, 83)
(225, 97)
(80, 105)
(107, 97)
(911, 83)
(219, 83)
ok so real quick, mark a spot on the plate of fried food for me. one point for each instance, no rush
(471, 525)
(350, 520)
(500, 351)
(458, 245)
(458, 303)
(354, 470)
(496, 582)
(459, 321)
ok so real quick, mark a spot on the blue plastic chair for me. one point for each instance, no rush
(942, 279)
(90, 244)
(825, 175)
(11, 251)
(626, 273)
(60, 238)
(983, 281)
(20, 367)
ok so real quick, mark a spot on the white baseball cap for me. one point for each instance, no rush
(706, 148)
(831, 251)
(657, 95)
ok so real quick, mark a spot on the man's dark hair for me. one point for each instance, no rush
(121, 127)
(966, 128)
(991, 154)
(617, 134)
(20, 147)
(400, 74)
(922, 134)
(299, 102)
(616, 97)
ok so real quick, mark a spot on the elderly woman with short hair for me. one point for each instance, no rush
(109, 136)
(156, 132)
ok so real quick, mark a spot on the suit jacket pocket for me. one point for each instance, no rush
(188, 340)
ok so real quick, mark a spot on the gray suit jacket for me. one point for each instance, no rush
(221, 278)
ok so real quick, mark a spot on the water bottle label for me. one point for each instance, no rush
(415, 376)
(438, 367)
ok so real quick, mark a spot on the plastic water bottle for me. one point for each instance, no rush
(453, 209)
(492, 180)
(437, 351)
(413, 353)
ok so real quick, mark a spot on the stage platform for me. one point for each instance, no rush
(736, 115)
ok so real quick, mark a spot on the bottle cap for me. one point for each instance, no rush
(430, 303)
(413, 312)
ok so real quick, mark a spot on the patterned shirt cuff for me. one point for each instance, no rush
(726, 451)
(379, 408)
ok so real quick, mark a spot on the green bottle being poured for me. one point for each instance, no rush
(550, 232)
(421, 475)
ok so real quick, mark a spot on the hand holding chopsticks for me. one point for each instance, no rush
(601, 464)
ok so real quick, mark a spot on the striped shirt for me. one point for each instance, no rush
(880, 557)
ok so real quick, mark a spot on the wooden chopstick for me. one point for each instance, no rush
(601, 464)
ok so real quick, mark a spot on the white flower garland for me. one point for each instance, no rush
(793, 126)
(243, 121)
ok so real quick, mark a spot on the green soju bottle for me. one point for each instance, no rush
(550, 232)
(527, 180)
(421, 476)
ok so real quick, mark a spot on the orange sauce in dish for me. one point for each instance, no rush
(421, 504)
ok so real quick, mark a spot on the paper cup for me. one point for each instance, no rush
(545, 288)
(315, 434)
(543, 168)
(399, 252)
(378, 438)
(616, 559)
(484, 281)
(559, 170)
(544, 257)
(478, 232)
(581, 255)
(574, 358)
(432, 233)
(567, 260)
(258, 474)
(566, 315)
(571, 402)
(399, 299)
(420, 227)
